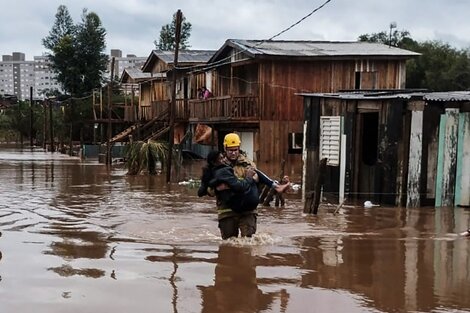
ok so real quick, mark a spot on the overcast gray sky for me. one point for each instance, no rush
(133, 25)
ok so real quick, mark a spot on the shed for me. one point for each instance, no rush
(390, 146)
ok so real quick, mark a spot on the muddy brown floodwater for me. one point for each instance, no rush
(79, 237)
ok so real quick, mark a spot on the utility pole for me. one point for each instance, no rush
(392, 26)
(171, 109)
(31, 117)
(110, 131)
(72, 116)
(51, 126)
(44, 136)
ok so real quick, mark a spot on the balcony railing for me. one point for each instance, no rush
(157, 107)
(244, 108)
(225, 107)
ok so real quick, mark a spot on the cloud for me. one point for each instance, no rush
(133, 25)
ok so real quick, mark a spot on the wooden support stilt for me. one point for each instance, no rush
(312, 198)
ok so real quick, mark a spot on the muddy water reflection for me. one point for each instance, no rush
(77, 237)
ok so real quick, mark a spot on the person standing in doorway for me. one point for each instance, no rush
(206, 94)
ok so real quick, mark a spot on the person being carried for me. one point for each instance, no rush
(244, 220)
(237, 195)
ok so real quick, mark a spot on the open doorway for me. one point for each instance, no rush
(367, 156)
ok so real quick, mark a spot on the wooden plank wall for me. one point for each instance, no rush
(390, 126)
(415, 160)
(245, 80)
(196, 81)
(447, 159)
(159, 66)
(312, 139)
(431, 120)
(462, 189)
(281, 80)
(387, 172)
(273, 142)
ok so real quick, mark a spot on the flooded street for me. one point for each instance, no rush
(77, 236)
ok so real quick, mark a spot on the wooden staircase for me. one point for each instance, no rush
(151, 126)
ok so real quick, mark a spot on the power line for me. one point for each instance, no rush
(300, 21)
(216, 64)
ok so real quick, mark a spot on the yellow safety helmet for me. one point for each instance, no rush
(232, 140)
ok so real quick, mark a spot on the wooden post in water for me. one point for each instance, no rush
(171, 109)
(312, 200)
(110, 131)
(31, 117)
(51, 126)
(44, 136)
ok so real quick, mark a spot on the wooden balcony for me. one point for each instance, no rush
(225, 108)
(217, 109)
(158, 107)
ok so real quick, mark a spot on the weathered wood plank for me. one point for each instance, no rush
(414, 163)
(462, 188)
(445, 184)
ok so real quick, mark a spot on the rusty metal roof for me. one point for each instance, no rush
(314, 49)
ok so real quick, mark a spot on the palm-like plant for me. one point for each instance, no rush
(143, 156)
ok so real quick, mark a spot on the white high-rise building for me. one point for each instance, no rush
(121, 63)
(17, 75)
(44, 76)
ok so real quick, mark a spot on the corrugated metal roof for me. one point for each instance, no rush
(318, 48)
(448, 96)
(457, 96)
(364, 95)
(185, 56)
(136, 75)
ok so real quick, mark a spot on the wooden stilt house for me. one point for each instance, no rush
(155, 93)
(255, 83)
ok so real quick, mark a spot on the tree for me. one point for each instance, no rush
(60, 42)
(90, 44)
(167, 35)
(439, 68)
(398, 38)
(77, 55)
(143, 156)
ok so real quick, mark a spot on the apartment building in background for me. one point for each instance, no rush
(44, 77)
(121, 63)
(18, 75)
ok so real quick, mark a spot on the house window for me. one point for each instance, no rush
(330, 139)
(365, 80)
(295, 141)
(357, 81)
